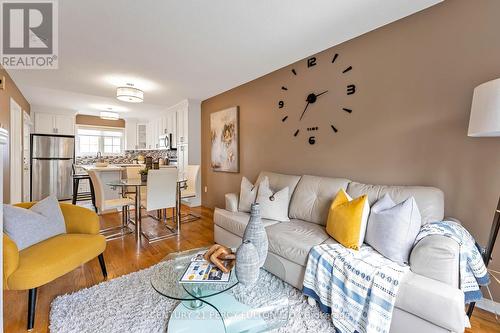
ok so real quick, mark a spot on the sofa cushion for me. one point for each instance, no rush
(54, 257)
(313, 197)
(248, 193)
(235, 222)
(273, 205)
(293, 240)
(347, 220)
(278, 181)
(392, 228)
(430, 200)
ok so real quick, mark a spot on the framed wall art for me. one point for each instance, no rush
(225, 136)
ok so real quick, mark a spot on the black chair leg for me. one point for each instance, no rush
(92, 194)
(75, 190)
(31, 308)
(103, 266)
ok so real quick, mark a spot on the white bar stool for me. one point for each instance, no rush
(102, 205)
(161, 194)
(190, 191)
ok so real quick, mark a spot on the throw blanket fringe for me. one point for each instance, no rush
(358, 288)
(473, 272)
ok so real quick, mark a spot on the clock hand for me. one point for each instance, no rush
(324, 92)
(302, 115)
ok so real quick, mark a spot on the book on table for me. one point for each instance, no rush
(202, 271)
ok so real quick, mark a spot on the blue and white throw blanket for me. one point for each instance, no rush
(473, 272)
(358, 288)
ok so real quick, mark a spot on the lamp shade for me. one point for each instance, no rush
(485, 111)
(129, 94)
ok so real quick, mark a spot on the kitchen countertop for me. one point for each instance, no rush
(109, 168)
(117, 167)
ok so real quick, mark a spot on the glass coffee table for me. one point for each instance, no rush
(225, 307)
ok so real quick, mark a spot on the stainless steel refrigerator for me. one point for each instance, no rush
(52, 158)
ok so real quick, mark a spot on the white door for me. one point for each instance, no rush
(26, 156)
(65, 125)
(16, 152)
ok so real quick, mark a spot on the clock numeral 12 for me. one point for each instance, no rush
(351, 89)
(311, 62)
(281, 104)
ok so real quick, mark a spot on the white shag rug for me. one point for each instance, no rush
(130, 304)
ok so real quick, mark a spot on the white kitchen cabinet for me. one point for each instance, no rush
(48, 123)
(64, 124)
(182, 125)
(172, 127)
(130, 134)
(152, 134)
(142, 136)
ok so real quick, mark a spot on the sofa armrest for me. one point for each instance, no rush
(437, 257)
(434, 301)
(232, 202)
(80, 220)
(10, 258)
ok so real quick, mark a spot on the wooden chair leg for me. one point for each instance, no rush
(31, 308)
(103, 266)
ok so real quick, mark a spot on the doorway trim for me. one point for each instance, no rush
(16, 152)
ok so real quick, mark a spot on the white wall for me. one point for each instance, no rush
(49, 109)
(194, 132)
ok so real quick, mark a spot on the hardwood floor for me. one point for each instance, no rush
(123, 256)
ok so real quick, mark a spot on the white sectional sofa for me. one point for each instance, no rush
(429, 299)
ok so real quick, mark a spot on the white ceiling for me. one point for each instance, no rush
(175, 50)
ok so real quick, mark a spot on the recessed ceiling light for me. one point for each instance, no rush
(129, 94)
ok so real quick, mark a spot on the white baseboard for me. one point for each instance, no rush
(488, 305)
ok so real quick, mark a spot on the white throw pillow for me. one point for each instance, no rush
(248, 193)
(392, 228)
(273, 206)
(27, 227)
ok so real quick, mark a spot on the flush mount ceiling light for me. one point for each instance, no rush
(109, 115)
(129, 94)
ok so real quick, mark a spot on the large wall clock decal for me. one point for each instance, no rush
(298, 113)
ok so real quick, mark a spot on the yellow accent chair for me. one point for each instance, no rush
(46, 261)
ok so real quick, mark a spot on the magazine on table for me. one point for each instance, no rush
(202, 271)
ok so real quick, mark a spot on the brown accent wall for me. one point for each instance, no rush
(82, 119)
(415, 79)
(11, 91)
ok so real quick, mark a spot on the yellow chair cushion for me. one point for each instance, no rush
(54, 257)
(346, 219)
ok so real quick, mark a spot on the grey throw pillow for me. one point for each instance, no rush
(392, 228)
(27, 227)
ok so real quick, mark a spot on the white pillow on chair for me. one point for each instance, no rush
(273, 206)
(27, 227)
(248, 193)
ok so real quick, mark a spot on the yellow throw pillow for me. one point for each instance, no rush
(347, 220)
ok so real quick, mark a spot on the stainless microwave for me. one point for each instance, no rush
(166, 142)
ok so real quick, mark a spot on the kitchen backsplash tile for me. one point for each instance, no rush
(128, 156)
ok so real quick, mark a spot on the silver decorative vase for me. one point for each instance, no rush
(256, 233)
(247, 263)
